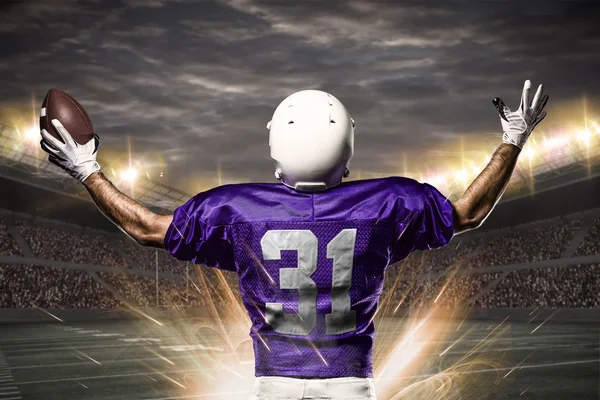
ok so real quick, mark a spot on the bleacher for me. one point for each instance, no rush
(75, 267)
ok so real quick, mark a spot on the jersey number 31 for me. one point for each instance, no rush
(341, 250)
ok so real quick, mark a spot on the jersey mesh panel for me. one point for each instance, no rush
(317, 355)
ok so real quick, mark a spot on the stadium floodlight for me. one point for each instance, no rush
(32, 133)
(529, 152)
(584, 135)
(130, 174)
(461, 176)
(435, 179)
(557, 141)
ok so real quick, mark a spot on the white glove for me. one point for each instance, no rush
(79, 160)
(518, 125)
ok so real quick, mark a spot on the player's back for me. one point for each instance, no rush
(311, 265)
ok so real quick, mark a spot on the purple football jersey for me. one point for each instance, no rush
(311, 265)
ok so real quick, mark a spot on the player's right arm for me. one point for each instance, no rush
(143, 225)
(483, 194)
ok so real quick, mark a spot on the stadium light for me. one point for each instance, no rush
(558, 141)
(529, 152)
(435, 179)
(461, 176)
(130, 174)
(32, 133)
(584, 135)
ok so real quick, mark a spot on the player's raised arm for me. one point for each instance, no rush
(482, 195)
(146, 227)
(79, 160)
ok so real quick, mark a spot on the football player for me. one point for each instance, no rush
(311, 251)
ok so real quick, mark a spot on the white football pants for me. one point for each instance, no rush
(280, 388)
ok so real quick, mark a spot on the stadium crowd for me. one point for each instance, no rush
(566, 287)
(8, 246)
(26, 286)
(442, 291)
(544, 242)
(423, 279)
(141, 291)
(591, 243)
(53, 243)
(448, 257)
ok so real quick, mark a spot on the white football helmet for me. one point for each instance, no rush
(311, 136)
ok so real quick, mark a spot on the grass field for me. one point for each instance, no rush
(141, 360)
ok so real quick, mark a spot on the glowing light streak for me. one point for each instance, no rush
(448, 348)
(374, 314)
(318, 352)
(262, 340)
(160, 356)
(534, 310)
(482, 342)
(544, 321)
(260, 264)
(523, 392)
(81, 384)
(50, 314)
(533, 317)
(412, 352)
(190, 347)
(441, 387)
(147, 316)
(509, 372)
(442, 290)
(518, 366)
(172, 380)
(232, 371)
(86, 356)
(293, 344)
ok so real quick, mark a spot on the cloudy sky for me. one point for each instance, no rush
(188, 85)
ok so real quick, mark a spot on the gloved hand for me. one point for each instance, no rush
(77, 159)
(518, 125)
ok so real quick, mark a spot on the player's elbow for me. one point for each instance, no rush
(148, 239)
(465, 217)
(151, 233)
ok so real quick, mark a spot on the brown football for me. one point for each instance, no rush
(59, 105)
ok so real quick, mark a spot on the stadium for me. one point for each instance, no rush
(500, 312)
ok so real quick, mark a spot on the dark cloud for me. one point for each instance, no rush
(196, 82)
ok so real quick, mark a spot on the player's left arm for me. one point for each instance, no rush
(479, 199)
(475, 205)
(143, 225)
